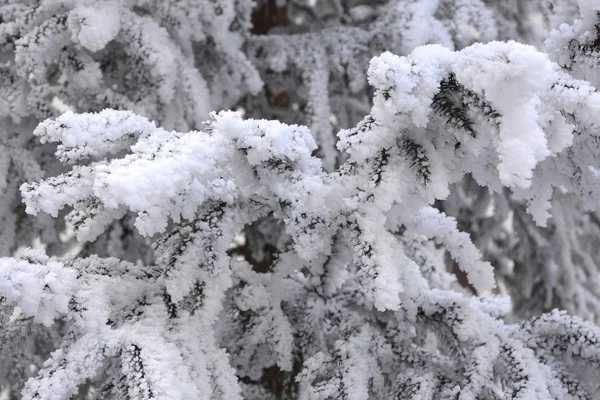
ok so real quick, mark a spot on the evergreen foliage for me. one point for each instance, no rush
(443, 244)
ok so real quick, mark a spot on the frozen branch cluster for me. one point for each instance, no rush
(171, 61)
(136, 55)
(318, 62)
(357, 304)
(554, 266)
(356, 280)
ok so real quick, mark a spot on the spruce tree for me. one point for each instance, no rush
(397, 205)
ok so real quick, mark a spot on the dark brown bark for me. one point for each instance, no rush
(266, 16)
